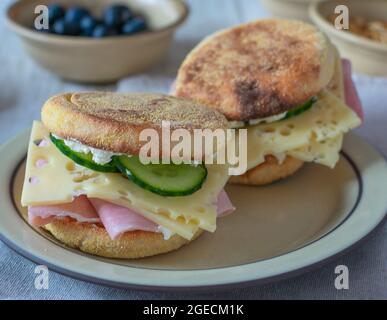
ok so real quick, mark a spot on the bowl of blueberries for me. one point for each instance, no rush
(96, 41)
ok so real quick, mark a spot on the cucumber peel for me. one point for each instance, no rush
(300, 109)
(168, 180)
(83, 159)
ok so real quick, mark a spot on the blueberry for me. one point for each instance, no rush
(55, 12)
(88, 22)
(100, 31)
(133, 26)
(113, 32)
(75, 14)
(87, 25)
(59, 27)
(115, 16)
(63, 27)
(73, 28)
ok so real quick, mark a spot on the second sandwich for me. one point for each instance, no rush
(283, 81)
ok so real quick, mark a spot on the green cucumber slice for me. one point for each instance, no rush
(300, 109)
(168, 180)
(83, 159)
(291, 113)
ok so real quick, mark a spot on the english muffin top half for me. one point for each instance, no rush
(259, 69)
(114, 121)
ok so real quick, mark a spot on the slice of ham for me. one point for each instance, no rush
(351, 96)
(80, 209)
(224, 205)
(116, 219)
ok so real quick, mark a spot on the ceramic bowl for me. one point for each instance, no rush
(291, 9)
(367, 56)
(99, 60)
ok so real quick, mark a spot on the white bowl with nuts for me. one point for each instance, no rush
(365, 42)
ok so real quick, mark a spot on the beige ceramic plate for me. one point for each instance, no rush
(277, 231)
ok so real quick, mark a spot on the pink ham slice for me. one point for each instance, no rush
(80, 209)
(351, 96)
(224, 205)
(116, 219)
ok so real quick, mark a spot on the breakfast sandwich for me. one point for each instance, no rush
(283, 81)
(85, 182)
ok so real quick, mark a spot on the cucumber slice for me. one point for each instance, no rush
(290, 114)
(168, 180)
(300, 109)
(83, 159)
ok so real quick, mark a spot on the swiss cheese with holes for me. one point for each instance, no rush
(315, 135)
(60, 180)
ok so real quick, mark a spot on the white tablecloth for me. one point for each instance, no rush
(24, 87)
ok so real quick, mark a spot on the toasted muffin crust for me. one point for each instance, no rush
(114, 121)
(258, 69)
(94, 239)
(268, 172)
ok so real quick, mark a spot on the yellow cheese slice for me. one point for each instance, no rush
(61, 179)
(314, 132)
(326, 152)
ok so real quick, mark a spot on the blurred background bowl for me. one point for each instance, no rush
(367, 56)
(99, 60)
(290, 9)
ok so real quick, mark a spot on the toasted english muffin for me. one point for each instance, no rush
(94, 239)
(114, 121)
(257, 70)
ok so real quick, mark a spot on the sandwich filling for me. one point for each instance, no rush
(282, 116)
(312, 132)
(99, 156)
(253, 122)
(111, 198)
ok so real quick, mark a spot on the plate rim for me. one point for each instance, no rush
(76, 251)
(307, 266)
(196, 289)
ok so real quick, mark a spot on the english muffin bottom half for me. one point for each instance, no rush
(282, 80)
(86, 184)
